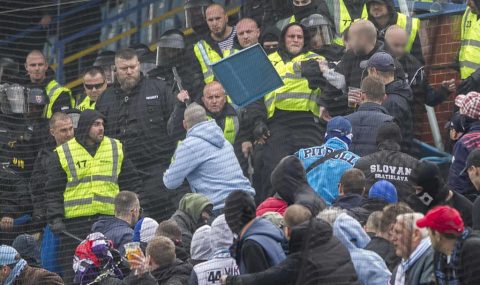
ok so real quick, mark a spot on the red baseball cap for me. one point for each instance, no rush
(443, 219)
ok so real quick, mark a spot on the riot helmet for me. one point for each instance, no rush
(170, 47)
(195, 15)
(9, 69)
(320, 31)
(106, 60)
(145, 57)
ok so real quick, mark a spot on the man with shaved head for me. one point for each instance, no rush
(247, 32)
(396, 40)
(206, 159)
(363, 42)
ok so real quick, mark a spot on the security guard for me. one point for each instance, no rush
(218, 43)
(382, 14)
(86, 174)
(304, 8)
(60, 97)
(214, 100)
(94, 83)
(469, 56)
(137, 110)
(345, 12)
(285, 120)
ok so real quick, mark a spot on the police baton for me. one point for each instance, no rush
(178, 80)
(72, 236)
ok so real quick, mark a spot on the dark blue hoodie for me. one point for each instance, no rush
(114, 229)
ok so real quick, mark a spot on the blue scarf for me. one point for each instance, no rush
(446, 272)
(15, 272)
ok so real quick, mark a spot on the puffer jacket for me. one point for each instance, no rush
(326, 260)
(365, 124)
(390, 164)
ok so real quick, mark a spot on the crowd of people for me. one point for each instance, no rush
(154, 176)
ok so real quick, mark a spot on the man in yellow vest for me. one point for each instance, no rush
(94, 83)
(286, 119)
(469, 56)
(219, 43)
(344, 13)
(60, 97)
(382, 14)
(85, 175)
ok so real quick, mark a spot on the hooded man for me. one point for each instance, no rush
(269, 39)
(326, 164)
(194, 210)
(431, 191)
(85, 175)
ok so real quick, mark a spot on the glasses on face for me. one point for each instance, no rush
(96, 86)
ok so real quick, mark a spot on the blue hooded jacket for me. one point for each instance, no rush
(207, 160)
(370, 267)
(325, 177)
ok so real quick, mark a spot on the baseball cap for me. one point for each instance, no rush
(469, 105)
(473, 159)
(455, 123)
(443, 219)
(7, 255)
(339, 126)
(383, 190)
(381, 61)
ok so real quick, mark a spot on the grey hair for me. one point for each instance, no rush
(195, 114)
(330, 215)
(409, 221)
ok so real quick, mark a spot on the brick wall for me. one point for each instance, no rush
(440, 41)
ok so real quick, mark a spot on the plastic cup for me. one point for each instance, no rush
(353, 96)
(131, 249)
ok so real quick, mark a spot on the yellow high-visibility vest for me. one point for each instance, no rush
(54, 90)
(86, 104)
(92, 182)
(343, 20)
(231, 128)
(469, 56)
(411, 25)
(206, 56)
(294, 95)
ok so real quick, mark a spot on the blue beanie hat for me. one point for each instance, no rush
(383, 190)
(339, 127)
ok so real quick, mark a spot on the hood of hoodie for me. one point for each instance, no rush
(193, 205)
(391, 11)
(200, 248)
(208, 131)
(315, 232)
(84, 123)
(270, 31)
(265, 228)
(288, 178)
(221, 237)
(350, 232)
(399, 88)
(282, 49)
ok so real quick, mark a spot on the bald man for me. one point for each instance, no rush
(60, 98)
(396, 39)
(247, 32)
(207, 160)
(363, 43)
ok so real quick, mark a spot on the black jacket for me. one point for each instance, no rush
(364, 211)
(57, 178)
(386, 250)
(173, 274)
(365, 124)
(349, 201)
(139, 121)
(399, 104)
(38, 183)
(390, 164)
(316, 257)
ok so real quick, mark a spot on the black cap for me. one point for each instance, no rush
(473, 159)
(455, 123)
(381, 61)
(389, 131)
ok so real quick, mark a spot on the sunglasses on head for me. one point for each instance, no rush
(91, 86)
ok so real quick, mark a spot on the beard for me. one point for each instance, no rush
(127, 84)
(221, 33)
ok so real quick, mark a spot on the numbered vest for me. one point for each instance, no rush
(86, 104)
(411, 25)
(92, 182)
(206, 56)
(469, 56)
(54, 90)
(211, 271)
(343, 20)
(294, 95)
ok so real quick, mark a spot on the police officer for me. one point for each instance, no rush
(94, 84)
(195, 16)
(85, 175)
(382, 14)
(285, 119)
(60, 97)
(469, 56)
(106, 60)
(137, 110)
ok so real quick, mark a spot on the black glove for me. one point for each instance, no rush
(466, 86)
(57, 226)
(260, 130)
